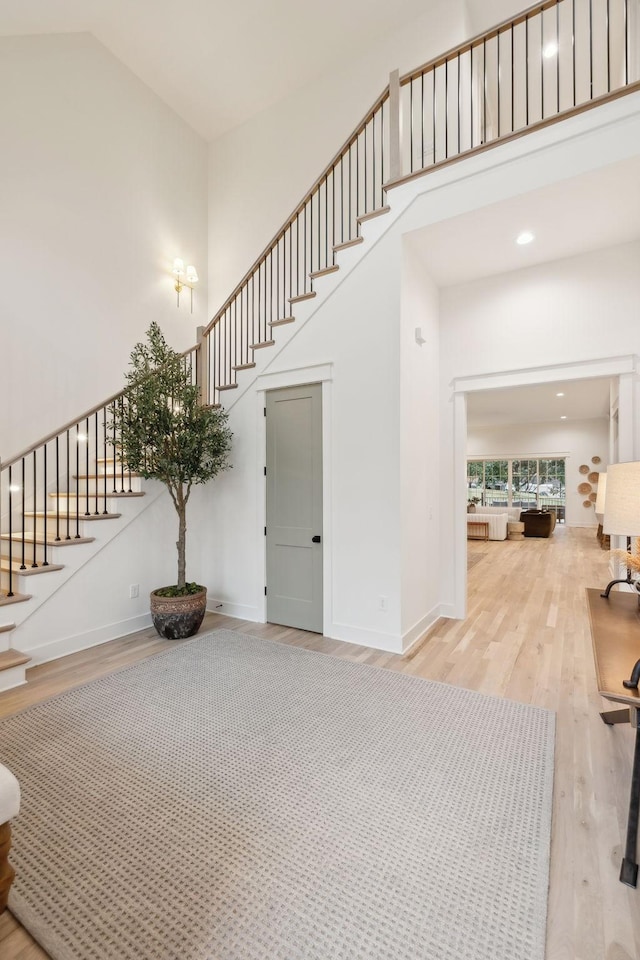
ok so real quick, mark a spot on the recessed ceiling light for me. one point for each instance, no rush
(559, 394)
(563, 417)
(525, 237)
(550, 50)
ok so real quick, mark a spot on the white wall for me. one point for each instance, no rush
(419, 447)
(578, 308)
(355, 333)
(260, 171)
(578, 440)
(101, 186)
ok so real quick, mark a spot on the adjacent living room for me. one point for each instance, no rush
(535, 455)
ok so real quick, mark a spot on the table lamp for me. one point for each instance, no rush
(601, 497)
(622, 508)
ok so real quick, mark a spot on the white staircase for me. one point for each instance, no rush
(50, 547)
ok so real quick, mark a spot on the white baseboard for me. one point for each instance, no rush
(448, 610)
(240, 611)
(14, 677)
(82, 641)
(387, 642)
(419, 629)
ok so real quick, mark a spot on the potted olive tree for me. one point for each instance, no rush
(165, 433)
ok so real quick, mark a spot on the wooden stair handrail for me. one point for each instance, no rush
(300, 207)
(72, 423)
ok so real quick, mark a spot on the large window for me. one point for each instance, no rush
(535, 482)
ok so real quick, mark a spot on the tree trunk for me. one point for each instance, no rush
(182, 536)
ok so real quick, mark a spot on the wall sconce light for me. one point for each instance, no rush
(191, 278)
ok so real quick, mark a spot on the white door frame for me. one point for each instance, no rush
(625, 368)
(321, 373)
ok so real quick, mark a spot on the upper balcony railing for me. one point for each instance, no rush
(552, 60)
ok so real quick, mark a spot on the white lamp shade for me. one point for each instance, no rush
(602, 493)
(178, 267)
(192, 274)
(622, 506)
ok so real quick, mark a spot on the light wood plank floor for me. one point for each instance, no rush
(527, 638)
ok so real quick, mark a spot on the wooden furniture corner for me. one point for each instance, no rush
(7, 872)
(477, 530)
(615, 632)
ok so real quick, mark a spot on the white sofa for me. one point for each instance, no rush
(512, 512)
(497, 518)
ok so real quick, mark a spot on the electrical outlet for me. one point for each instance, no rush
(383, 604)
(134, 591)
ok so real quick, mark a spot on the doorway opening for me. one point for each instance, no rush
(518, 426)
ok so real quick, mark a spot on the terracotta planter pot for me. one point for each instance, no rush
(176, 618)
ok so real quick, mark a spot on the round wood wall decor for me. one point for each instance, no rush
(593, 497)
(593, 477)
(584, 488)
(583, 468)
(595, 459)
(587, 503)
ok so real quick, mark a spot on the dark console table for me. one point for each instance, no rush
(615, 631)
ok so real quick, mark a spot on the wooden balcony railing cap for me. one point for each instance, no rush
(478, 40)
(300, 207)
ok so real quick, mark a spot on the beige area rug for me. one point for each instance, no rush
(236, 799)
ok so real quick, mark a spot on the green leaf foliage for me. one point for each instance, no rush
(163, 430)
(187, 591)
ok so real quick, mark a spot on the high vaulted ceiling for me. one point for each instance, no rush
(217, 64)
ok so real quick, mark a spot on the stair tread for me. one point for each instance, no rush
(333, 268)
(6, 627)
(348, 243)
(62, 515)
(263, 343)
(372, 214)
(41, 540)
(16, 598)
(12, 658)
(228, 386)
(302, 296)
(82, 496)
(109, 476)
(30, 571)
(281, 321)
(244, 366)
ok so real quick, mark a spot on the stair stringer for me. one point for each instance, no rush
(74, 596)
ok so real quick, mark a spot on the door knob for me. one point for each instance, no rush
(315, 539)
